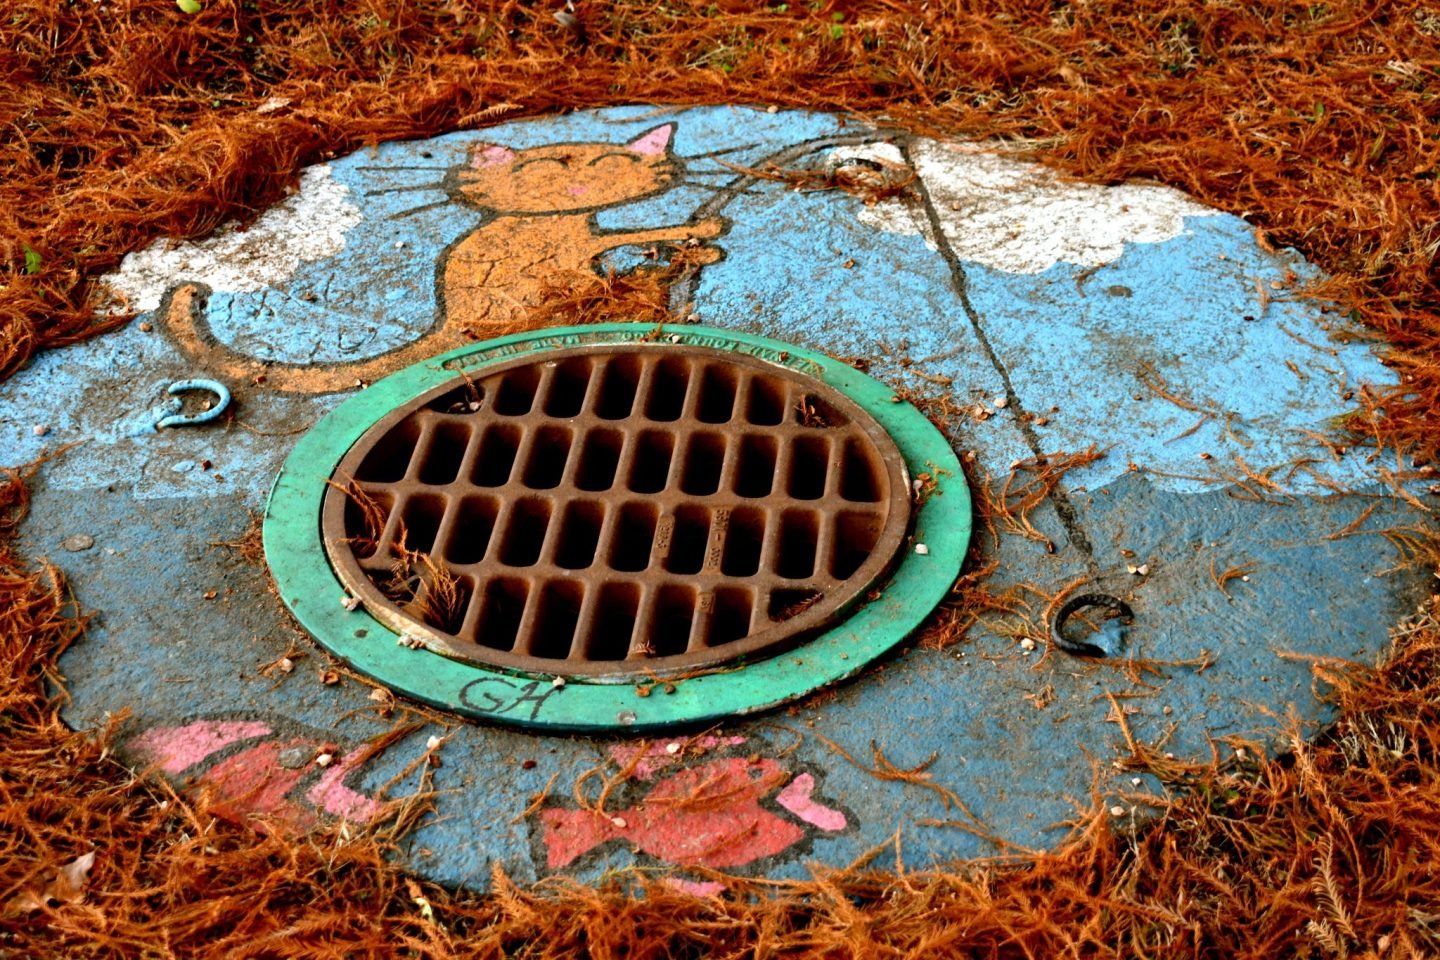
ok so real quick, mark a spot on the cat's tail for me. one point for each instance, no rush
(183, 314)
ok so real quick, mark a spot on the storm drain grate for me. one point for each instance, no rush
(622, 510)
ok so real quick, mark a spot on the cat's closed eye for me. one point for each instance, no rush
(607, 156)
(563, 161)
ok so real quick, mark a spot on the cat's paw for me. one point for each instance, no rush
(708, 228)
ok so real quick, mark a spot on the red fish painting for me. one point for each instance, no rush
(712, 814)
(260, 785)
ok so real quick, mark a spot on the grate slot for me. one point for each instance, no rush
(389, 460)
(524, 532)
(496, 457)
(501, 612)
(817, 413)
(691, 531)
(755, 471)
(467, 536)
(517, 392)
(442, 602)
(367, 516)
(704, 461)
(421, 516)
(619, 382)
(565, 396)
(545, 456)
(859, 474)
(469, 397)
(613, 622)
(730, 621)
(443, 451)
(650, 461)
(633, 536)
(671, 620)
(855, 535)
(556, 617)
(599, 459)
(796, 545)
(744, 539)
(766, 399)
(625, 510)
(665, 400)
(788, 604)
(808, 467)
(580, 526)
(717, 394)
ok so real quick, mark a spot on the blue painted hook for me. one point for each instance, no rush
(174, 418)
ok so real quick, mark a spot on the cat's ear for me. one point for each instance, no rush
(652, 143)
(489, 155)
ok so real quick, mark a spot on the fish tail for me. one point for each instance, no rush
(570, 834)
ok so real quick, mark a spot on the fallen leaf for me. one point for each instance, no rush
(67, 886)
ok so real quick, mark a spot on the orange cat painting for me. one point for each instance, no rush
(540, 231)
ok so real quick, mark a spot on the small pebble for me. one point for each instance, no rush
(399, 244)
(618, 821)
(78, 542)
(40, 429)
(432, 743)
(558, 682)
(286, 665)
(672, 748)
(324, 760)
(146, 327)
(295, 757)
(1001, 403)
(1143, 570)
(527, 764)
(1027, 644)
(350, 603)
(921, 549)
(1135, 781)
(1167, 710)
(1117, 811)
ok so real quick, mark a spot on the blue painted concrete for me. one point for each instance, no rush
(162, 650)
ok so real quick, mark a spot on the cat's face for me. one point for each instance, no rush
(567, 178)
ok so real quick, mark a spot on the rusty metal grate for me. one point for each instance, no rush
(631, 510)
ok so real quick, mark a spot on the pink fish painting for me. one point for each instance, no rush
(718, 814)
(273, 783)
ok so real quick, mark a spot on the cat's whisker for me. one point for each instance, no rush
(717, 153)
(420, 209)
(416, 186)
(719, 189)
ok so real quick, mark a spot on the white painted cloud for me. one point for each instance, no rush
(1020, 217)
(308, 225)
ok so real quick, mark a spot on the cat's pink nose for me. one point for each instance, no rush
(578, 191)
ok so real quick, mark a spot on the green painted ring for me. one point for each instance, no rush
(312, 591)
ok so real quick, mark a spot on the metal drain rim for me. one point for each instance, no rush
(311, 590)
(854, 447)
